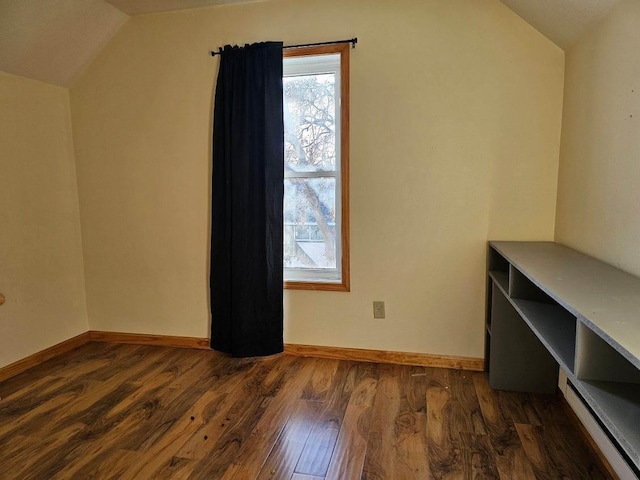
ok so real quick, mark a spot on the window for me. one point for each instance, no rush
(316, 168)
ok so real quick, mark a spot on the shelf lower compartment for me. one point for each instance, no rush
(554, 326)
(518, 360)
(617, 405)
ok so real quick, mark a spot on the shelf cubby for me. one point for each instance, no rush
(530, 366)
(496, 261)
(498, 268)
(596, 359)
(523, 288)
(554, 327)
(501, 278)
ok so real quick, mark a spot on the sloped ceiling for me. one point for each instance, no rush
(561, 21)
(137, 7)
(54, 40)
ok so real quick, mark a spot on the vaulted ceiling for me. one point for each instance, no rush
(561, 21)
(137, 7)
(54, 40)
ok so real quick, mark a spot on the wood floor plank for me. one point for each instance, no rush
(31, 461)
(171, 364)
(411, 424)
(83, 460)
(38, 387)
(351, 446)
(318, 450)
(284, 455)
(530, 437)
(100, 444)
(93, 398)
(229, 380)
(162, 452)
(126, 427)
(462, 408)
(109, 411)
(43, 389)
(124, 361)
(150, 419)
(179, 395)
(93, 444)
(215, 419)
(467, 407)
(519, 406)
(140, 394)
(251, 456)
(12, 422)
(322, 378)
(478, 458)
(380, 455)
(56, 366)
(396, 447)
(564, 455)
(414, 388)
(443, 426)
(259, 391)
(117, 464)
(454, 424)
(175, 469)
(511, 459)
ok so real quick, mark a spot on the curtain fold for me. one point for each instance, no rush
(247, 194)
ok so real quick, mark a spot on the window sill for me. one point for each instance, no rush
(319, 286)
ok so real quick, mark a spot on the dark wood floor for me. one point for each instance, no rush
(136, 412)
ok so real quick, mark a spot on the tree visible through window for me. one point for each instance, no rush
(315, 168)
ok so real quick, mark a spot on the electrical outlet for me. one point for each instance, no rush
(378, 309)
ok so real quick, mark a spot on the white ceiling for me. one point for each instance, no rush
(137, 7)
(54, 40)
(561, 21)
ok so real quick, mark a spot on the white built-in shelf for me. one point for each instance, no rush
(552, 306)
(605, 298)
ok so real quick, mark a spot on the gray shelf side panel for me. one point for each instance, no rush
(519, 361)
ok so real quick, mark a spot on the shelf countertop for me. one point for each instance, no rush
(605, 298)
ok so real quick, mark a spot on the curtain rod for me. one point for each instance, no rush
(352, 41)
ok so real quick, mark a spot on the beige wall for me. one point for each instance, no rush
(41, 272)
(599, 184)
(456, 111)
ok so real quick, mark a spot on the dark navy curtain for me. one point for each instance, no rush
(247, 195)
